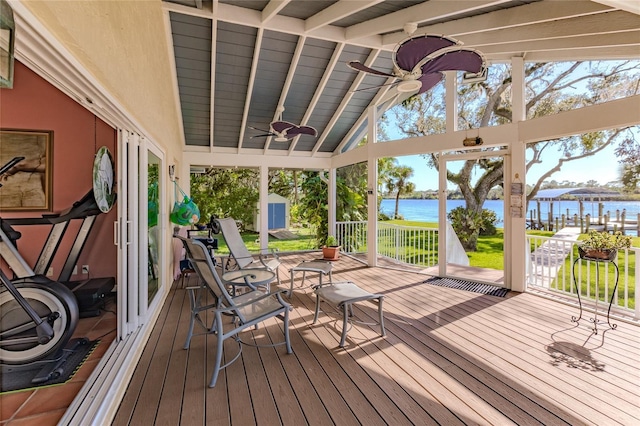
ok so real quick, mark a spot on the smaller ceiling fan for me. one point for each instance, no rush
(283, 130)
(418, 63)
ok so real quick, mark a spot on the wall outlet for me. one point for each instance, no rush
(85, 269)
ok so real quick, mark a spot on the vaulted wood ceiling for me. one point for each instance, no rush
(237, 62)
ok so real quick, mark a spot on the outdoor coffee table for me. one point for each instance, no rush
(250, 278)
(319, 266)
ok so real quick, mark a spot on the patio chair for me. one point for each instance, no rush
(241, 255)
(246, 310)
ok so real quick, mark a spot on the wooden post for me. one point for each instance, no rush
(622, 218)
(588, 220)
(557, 229)
(539, 215)
(564, 219)
(580, 209)
(600, 213)
(606, 220)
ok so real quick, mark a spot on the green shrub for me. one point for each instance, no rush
(467, 225)
(489, 221)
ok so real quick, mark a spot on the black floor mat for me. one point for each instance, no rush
(490, 290)
(55, 370)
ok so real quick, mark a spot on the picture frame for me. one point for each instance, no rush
(28, 185)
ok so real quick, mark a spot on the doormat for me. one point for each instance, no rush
(54, 370)
(487, 289)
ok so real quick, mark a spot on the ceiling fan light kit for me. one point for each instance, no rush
(408, 86)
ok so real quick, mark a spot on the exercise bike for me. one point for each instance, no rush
(37, 315)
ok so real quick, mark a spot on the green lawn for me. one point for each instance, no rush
(490, 254)
(305, 241)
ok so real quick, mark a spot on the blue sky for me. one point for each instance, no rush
(578, 171)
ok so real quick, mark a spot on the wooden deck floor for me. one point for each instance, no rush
(449, 357)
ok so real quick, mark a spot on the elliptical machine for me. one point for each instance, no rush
(37, 315)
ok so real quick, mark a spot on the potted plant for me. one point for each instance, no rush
(603, 245)
(331, 249)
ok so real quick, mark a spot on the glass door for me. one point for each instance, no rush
(472, 217)
(151, 191)
(139, 230)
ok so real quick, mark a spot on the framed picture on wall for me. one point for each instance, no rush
(27, 183)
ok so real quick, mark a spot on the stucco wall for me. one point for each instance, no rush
(123, 44)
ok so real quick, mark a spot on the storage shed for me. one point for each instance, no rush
(278, 213)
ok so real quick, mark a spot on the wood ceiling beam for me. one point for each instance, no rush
(287, 84)
(250, 85)
(610, 22)
(345, 101)
(632, 6)
(528, 14)
(423, 12)
(586, 54)
(335, 57)
(580, 45)
(337, 11)
(273, 8)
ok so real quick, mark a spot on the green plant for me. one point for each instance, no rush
(331, 241)
(605, 241)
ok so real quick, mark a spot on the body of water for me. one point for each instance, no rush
(427, 210)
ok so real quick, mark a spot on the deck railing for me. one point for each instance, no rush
(554, 263)
(550, 265)
(407, 244)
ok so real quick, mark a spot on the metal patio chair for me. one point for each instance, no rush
(241, 255)
(246, 310)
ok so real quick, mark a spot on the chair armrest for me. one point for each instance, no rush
(273, 252)
(272, 255)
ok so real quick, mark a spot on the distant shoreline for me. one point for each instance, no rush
(632, 197)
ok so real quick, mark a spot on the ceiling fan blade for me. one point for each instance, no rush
(429, 80)
(457, 60)
(375, 87)
(414, 49)
(262, 136)
(281, 126)
(302, 130)
(356, 65)
(260, 130)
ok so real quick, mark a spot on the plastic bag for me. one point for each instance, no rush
(185, 212)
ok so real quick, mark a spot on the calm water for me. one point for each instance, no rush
(427, 210)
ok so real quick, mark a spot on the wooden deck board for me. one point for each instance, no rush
(449, 357)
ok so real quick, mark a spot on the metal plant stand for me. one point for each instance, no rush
(597, 262)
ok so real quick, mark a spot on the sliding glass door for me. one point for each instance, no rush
(139, 231)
